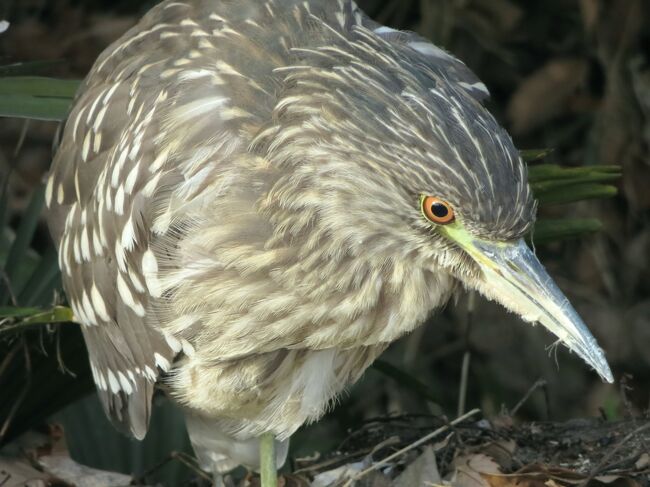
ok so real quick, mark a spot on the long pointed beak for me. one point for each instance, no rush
(514, 277)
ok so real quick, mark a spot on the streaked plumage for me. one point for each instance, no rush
(235, 203)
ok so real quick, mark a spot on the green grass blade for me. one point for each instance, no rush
(531, 155)
(543, 172)
(553, 230)
(21, 319)
(551, 184)
(36, 97)
(28, 68)
(15, 312)
(39, 87)
(24, 234)
(4, 217)
(554, 185)
(32, 107)
(49, 388)
(42, 281)
(563, 195)
(47, 289)
(58, 314)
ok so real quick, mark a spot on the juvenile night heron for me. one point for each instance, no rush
(252, 199)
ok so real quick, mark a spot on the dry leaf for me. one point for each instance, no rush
(15, 472)
(590, 10)
(643, 462)
(515, 481)
(504, 15)
(423, 472)
(552, 476)
(66, 469)
(331, 477)
(501, 452)
(469, 470)
(545, 94)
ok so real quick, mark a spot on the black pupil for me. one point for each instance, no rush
(439, 210)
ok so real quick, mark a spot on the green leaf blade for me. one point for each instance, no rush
(574, 193)
(35, 108)
(39, 87)
(531, 155)
(544, 172)
(20, 247)
(548, 230)
(35, 97)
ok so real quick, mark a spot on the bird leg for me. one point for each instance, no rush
(268, 461)
(218, 480)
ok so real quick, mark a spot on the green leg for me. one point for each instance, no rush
(268, 469)
(217, 480)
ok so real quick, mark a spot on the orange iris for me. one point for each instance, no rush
(437, 210)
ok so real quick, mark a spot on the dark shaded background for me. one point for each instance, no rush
(572, 75)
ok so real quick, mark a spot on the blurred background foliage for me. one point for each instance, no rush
(572, 75)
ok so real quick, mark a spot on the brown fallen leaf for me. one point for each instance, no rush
(495, 480)
(422, 472)
(67, 470)
(501, 452)
(552, 476)
(546, 94)
(590, 9)
(469, 470)
(15, 472)
(559, 474)
(643, 462)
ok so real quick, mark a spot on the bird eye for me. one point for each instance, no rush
(437, 210)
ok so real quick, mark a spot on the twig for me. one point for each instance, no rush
(182, 457)
(624, 387)
(21, 396)
(410, 447)
(5, 480)
(626, 462)
(332, 461)
(8, 358)
(547, 401)
(464, 373)
(538, 383)
(59, 357)
(7, 282)
(390, 441)
(21, 138)
(447, 349)
(598, 468)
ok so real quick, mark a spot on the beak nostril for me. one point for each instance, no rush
(513, 266)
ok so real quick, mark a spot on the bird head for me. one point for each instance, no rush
(399, 160)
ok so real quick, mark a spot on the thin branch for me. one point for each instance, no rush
(603, 462)
(185, 459)
(23, 393)
(410, 447)
(464, 374)
(538, 383)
